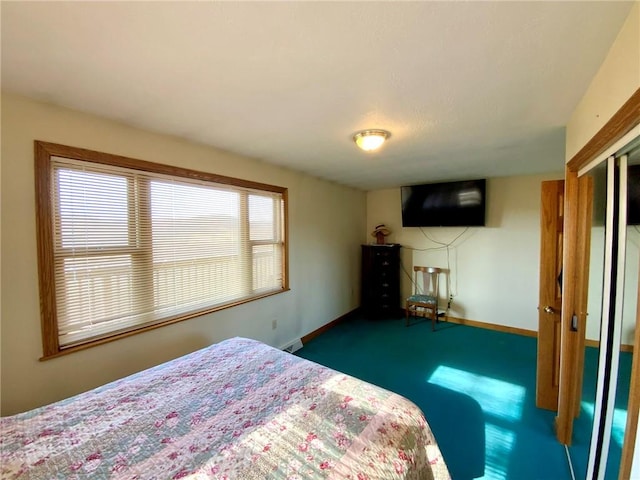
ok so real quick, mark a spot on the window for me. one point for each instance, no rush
(127, 245)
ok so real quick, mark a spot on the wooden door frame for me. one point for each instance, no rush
(574, 259)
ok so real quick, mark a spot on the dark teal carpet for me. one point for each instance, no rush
(475, 386)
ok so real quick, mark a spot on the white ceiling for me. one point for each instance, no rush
(467, 89)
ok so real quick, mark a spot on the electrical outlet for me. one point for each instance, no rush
(274, 324)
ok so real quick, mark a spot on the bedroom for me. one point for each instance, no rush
(328, 222)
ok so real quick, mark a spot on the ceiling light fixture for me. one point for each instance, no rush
(369, 140)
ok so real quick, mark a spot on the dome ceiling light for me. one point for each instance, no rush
(370, 140)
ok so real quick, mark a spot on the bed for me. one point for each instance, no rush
(238, 409)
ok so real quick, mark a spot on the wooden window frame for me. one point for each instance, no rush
(44, 151)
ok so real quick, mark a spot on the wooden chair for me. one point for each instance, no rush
(424, 304)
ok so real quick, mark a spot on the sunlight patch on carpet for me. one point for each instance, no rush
(497, 398)
(618, 426)
(499, 445)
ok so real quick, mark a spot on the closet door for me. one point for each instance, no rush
(615, 139)
(611, 316)
(625, 404)
(616, 315)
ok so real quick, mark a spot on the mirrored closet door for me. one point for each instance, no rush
(611, 311)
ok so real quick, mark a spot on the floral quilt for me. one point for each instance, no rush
(238, 409)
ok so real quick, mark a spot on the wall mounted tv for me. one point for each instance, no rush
(633, 195)
(450, 204)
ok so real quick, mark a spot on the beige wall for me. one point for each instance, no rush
(326, 222)
(617, 79)
(494, 269)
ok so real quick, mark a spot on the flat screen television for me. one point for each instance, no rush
(449, 204)
(633, 195)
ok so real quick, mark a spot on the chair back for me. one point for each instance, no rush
(425, 280)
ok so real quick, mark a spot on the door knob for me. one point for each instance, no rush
(549, 309)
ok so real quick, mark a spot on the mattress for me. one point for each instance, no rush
(238, 409)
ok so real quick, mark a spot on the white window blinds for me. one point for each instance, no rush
(134, 248)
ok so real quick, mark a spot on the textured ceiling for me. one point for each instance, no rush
(467, 89)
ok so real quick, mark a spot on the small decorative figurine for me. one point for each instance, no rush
(380, 232)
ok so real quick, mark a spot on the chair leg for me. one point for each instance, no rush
(406, 311)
